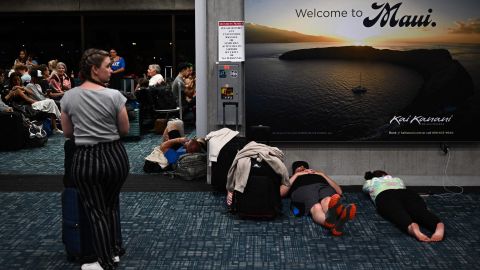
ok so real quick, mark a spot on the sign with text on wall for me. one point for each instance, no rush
(231, 41)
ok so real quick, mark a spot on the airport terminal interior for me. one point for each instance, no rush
(171, 223)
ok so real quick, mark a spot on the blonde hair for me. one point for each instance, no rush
(52, 64)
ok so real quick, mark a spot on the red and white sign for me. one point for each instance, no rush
(231, 41)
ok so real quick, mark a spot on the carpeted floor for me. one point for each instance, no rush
(192, 230)
(48, 160)
(171, 227)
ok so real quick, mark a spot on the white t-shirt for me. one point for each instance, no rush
(157, 79)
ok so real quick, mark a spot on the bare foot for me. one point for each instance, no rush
(439, 231)
(229, 198)
(414, 231)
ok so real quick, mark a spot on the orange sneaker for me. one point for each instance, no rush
(348, 213)
(335, 208)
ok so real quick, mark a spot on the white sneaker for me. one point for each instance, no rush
(116, 259)
(57, 131)
(92, 266)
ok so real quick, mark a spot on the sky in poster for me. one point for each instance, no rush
(456, 21)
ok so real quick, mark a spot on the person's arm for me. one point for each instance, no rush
(122, 122)
(284, 189)
(330, 181)
(67, 125)
(170, 143)
(367, 186)
(21, 93)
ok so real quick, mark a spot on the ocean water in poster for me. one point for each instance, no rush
(363, 70)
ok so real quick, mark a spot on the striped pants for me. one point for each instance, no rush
(99, 172)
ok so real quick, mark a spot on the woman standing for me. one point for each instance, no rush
(95, 116)
(401, 206)
(118, 69)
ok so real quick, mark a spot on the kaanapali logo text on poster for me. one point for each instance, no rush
(420, 119)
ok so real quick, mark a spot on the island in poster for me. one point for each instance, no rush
(328, 70)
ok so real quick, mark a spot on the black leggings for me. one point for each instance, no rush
(99, 172)
(402, 207)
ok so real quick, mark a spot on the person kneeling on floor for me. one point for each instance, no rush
(314, 193)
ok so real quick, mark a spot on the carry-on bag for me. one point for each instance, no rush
(261, 197)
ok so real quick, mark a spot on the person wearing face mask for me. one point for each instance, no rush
(95, 117)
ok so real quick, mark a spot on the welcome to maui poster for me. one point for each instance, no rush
(328, 70)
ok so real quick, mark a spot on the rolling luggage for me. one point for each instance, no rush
(261, 197)
(224, 162)
(226, 155)
(76, 234)
(134, 120)
(14, 133)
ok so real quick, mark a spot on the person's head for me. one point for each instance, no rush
(95, 66)
(52, 64)
(113, 53)
(153, 70)
(14, 80)
(22, 55)
(299, 166)
(182, 69)
(142, 82)
(21, 68)
(45, 71)
(192, 146)
(369, 175)
(35, 75)
(61, 68)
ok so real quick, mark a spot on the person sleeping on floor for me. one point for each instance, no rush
(401, 206)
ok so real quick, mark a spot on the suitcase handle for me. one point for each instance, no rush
(236, 113)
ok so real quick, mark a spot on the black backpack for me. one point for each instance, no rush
(261, 197)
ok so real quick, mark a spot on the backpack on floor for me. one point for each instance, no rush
(191, 166)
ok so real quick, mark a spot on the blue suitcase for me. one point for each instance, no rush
(76, 234)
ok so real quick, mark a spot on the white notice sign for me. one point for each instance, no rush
(231, 41)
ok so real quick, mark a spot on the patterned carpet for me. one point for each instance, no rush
(48, 160)
(192, 230)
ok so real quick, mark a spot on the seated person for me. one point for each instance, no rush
(314, 193)
(32, 95)
(401, 206)
(173, 130)
(4, 107)
(174, 148)
(59, 81)
(153, 73)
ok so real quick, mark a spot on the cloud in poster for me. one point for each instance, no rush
(281, 14)
(471, 26)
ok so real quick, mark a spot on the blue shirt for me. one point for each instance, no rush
(118, 64)
(173, 155)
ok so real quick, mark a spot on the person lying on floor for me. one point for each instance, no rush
(314, 193)
(401, 206)
(174, 148)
